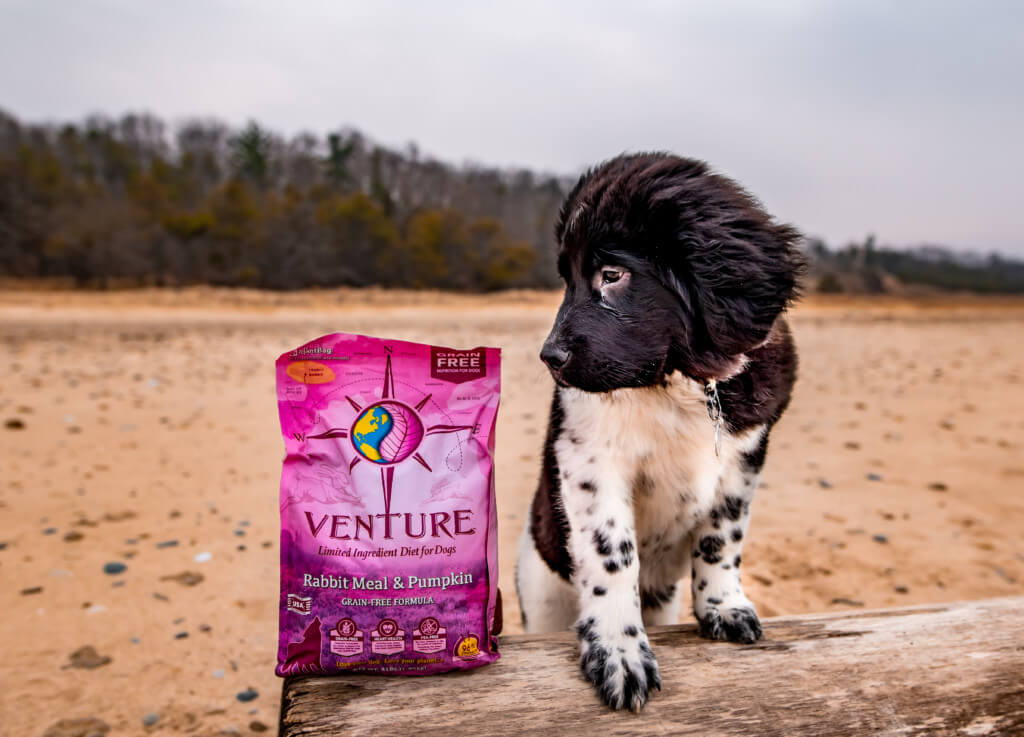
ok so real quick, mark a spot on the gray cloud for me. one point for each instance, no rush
(902, 119)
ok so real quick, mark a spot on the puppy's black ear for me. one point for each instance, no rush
(735, 268)
(743, 282)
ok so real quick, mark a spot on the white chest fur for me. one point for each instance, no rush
(655, 445)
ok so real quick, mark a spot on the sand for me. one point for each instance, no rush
(140, 429)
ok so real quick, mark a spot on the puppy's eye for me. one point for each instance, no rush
(610, 276)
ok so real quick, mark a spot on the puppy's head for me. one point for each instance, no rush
(667, 267)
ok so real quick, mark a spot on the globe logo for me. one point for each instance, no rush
(387, 432)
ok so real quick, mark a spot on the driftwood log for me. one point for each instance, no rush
(954, 669)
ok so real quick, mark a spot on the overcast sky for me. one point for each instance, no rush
(901, 118)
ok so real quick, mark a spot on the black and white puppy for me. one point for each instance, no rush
(675, 284)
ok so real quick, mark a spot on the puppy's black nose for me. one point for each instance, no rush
(554, 357)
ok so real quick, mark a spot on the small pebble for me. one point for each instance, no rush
(880, 539)
(847, 602)
(218, 673)
(150, 719)
(180, 635)
(938, 486)
(874, 477)
(50, 531)
(167, 544)
(824, 484)
(241, 548)
(205, 628)
(258, 726)
(15, 423)
(247, 695)
(203, 557)
(240, 533)
(3, 546)
(32, 590)
(185, 578)
(135, 640)
(73, 536)
(114, 567)
(901, 589)
(87, 657)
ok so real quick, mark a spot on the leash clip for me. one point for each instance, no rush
(714, 411)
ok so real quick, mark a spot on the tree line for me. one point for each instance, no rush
(121, 202)
(131, 201)
(868, 268)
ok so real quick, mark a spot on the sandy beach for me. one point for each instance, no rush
(141, 452)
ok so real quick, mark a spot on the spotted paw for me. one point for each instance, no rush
(739, 624)
(620, 665)
(735, 624)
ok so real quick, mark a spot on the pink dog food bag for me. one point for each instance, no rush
(389, 549)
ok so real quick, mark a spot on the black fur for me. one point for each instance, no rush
(710, 273)
(548, 525)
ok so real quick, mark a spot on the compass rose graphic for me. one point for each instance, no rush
(388, 432)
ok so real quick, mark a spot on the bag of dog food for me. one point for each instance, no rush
(388, 524)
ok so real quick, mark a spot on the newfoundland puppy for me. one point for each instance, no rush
(672, 361)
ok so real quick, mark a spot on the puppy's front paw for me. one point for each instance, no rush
(620, 665)
(736, 623)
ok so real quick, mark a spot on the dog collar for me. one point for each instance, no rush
(714, 406)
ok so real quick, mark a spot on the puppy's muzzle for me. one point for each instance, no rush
(555, 358)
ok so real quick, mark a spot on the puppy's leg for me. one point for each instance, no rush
(614, 651)
(548, 602)
(660, 585)
(721, 607)
(661, 606)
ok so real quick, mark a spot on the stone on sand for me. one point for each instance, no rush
(87, 657)
(185, 578)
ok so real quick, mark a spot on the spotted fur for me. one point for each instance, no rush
(674, 277)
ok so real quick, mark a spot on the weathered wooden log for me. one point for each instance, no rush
(955, 669)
